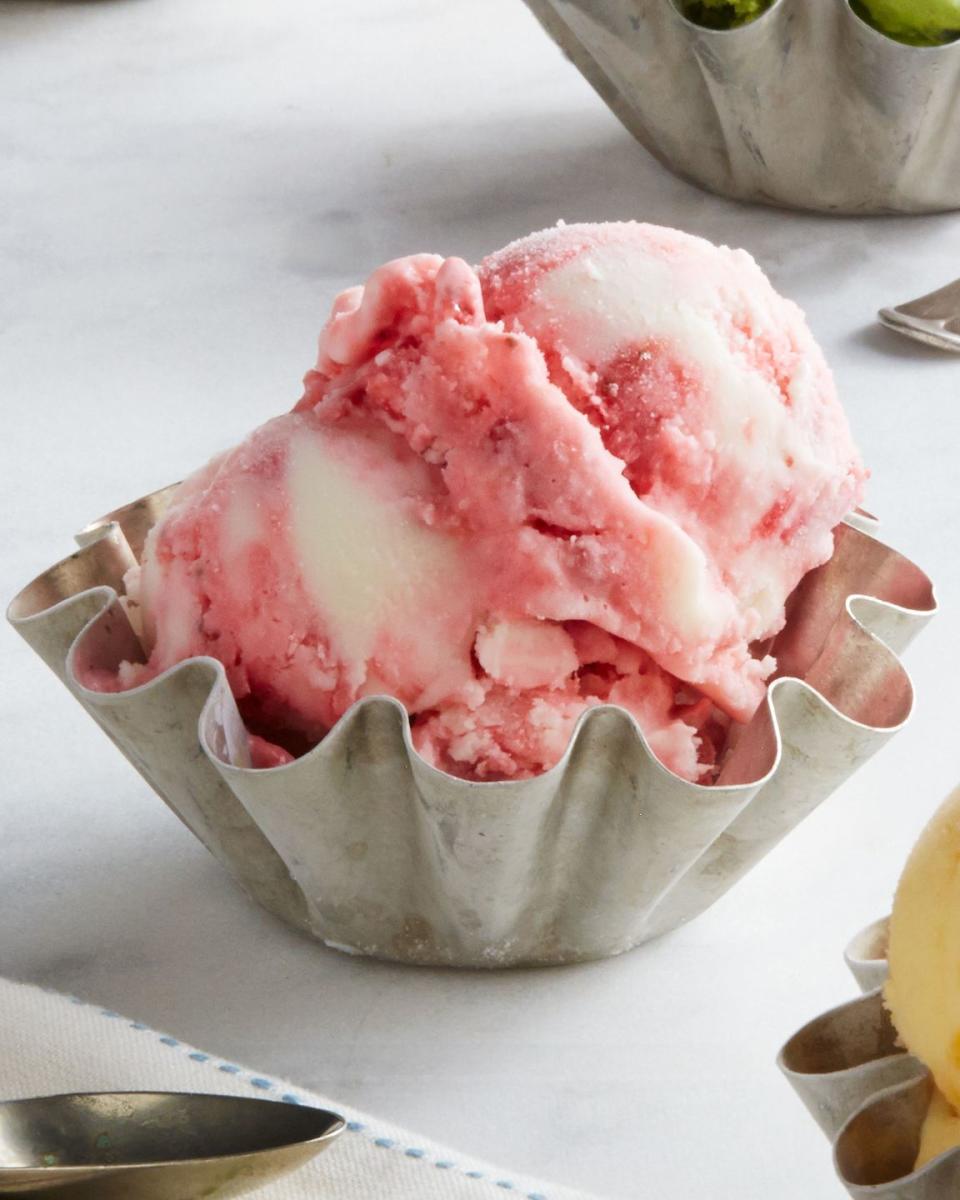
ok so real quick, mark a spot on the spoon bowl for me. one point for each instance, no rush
(154, 1145)
(933, 319)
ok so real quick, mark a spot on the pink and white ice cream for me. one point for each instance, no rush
(590, 470)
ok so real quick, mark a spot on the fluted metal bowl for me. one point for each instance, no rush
(364, 845)
(866, 1092)
(807, 107)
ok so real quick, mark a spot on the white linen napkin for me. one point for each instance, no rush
(51, 1043)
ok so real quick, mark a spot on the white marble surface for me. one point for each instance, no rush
(184, 184)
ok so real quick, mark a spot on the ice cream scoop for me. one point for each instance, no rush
(918, 22)
(590, 470)
(923, 990)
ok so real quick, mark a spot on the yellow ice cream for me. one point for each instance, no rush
(923, 991)
(941, 1130)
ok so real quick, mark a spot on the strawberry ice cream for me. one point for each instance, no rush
(590, 470)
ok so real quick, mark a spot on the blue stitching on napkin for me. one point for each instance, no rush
(257, 1081)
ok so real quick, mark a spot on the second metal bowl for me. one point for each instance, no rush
(807, 107)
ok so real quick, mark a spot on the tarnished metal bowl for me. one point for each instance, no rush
(364, 845)
(867, 1094)
(807, 107)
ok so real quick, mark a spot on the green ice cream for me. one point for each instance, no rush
(919, 22)
(724, 14)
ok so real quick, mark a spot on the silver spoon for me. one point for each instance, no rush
(154, 1145)
(933, 319)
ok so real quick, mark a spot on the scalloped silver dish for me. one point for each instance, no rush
(807, 107)
(866, 1093)
(365, 846)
